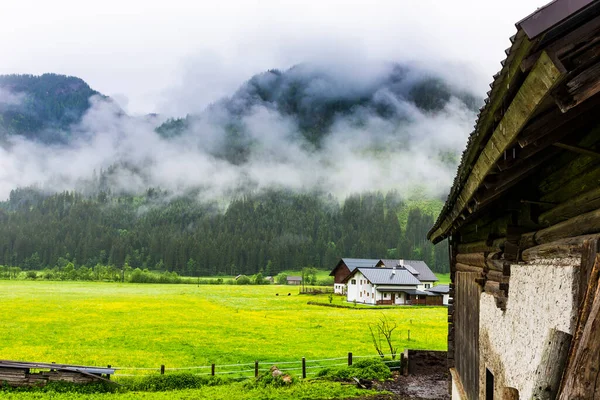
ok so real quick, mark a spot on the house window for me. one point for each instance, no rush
(353, 282)
(427, 286)
(360, 294)
(367, 294)
(384, 295)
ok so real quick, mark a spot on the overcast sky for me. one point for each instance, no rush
(151, 56)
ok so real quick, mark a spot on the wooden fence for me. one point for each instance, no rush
(303, 367)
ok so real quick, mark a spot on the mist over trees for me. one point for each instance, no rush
(295, 169)
(264, 232)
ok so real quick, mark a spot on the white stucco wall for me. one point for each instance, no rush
(362, 291)
(540, 297)
(338, 288)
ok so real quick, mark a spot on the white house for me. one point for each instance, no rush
(384, 286)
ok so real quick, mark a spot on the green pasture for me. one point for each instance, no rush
(146, 325)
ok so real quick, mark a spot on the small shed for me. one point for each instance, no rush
(294, 280)
(443, 291)
(25, 373)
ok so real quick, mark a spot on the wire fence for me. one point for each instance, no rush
(302, 367)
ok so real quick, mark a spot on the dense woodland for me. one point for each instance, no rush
(264, 232)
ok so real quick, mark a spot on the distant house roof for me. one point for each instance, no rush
(423, 270)
(386, 276)
(353, 263)
(294, 278)
(442, 289)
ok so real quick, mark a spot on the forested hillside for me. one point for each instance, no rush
(267, 232)
(258, 181)
(42, 107)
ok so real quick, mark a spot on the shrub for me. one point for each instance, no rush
(64, 387)
(363, 369)
(243, 280)
(272, 381)
(31, 275)
(160, 383)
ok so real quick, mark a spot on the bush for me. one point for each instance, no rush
(63, 387)
(270, 380)
(363, 369)
(243, 280)
(160, 383)
(31, 275)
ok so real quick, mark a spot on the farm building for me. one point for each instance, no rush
(387, 286)
(442, 290)
(523, 219)
(294, 280)
(346, 266)
(418, 268)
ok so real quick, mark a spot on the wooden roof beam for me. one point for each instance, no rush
(536, 87)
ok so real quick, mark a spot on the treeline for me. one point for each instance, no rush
(265, 232)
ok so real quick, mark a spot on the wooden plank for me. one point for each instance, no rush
(532, 92)
(579, 225)
(581, 204)
(550, 369)
(476, 247)
(580, 88)
(577, 149)
(582, 378)
(475, 259)
(562, 248)
(468, 268)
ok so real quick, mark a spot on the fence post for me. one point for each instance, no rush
(107, 375)
(409, 335)
(212, 369)
(303, 368)
(349, 358)
(162, 369)
(256, 369)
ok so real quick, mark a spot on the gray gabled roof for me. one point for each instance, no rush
(353, 263)
(386, 276)
(440, 289)
(425, 273)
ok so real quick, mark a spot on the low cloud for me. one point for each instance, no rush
(361, 151)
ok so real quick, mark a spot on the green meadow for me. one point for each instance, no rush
(146, 325)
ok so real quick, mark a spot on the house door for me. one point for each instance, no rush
(393, 298)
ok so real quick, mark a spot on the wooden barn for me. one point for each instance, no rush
(523, 219)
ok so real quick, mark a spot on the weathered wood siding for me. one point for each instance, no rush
(466, 325)
(341, 273)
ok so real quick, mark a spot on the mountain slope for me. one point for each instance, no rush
(42, 107)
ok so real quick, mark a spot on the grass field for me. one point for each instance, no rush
(143, 325)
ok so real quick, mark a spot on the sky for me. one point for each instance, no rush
(178, 56)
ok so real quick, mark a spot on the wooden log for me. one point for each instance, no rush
(496, 276)
(581, 204)
(527, 240)
(580, 225)
(582, 377)
(475, 259)
(551, 366)
(562, 248)
(476, 247)
(492, 287)
(468, 268)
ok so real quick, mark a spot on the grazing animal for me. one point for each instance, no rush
(289, 294)
(276, 294)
